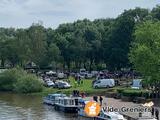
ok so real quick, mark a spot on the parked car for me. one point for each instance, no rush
(61, 75)
(62, 84)
(82, 71)
(104, 83)
(49, 83)
(136, 84)
(88, 75)
(94, 73)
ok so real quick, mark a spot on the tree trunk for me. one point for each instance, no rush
(76, 65)
(68, 64)
(90, 66)
(2, 62)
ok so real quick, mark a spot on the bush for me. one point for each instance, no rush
(28, 84)
(8, 78)
(134, 93)
(19, 80)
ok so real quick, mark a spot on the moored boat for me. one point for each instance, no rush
(50, 99)
(67, 104)
(109, 116)
(102, 116)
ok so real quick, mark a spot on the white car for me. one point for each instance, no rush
(89, 75)
(104, 83)
(62, 84)
(82, 71)
(94, 73)
(49, 83)
(61, 75)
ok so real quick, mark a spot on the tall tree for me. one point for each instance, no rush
(145, 53)
(37, 43)
(121, 36)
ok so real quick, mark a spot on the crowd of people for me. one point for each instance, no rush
(130, 74)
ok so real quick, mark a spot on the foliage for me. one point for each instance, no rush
(8, 78)
(83, 43)
(28, 84)
(18, 80)
(145, 51)
(134, 93)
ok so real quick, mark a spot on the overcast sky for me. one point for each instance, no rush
(22, 13)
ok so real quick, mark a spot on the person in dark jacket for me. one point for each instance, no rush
(95, 98)
(100, 100)
(157, 114)
(152, 111)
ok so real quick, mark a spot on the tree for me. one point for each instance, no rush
(53, 54)
(156, 12)
(37, 44)
(120, 37)
(145, 53)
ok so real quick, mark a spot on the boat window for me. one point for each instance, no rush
(65, 102)
(62, 102)
(106, 116)
(72, 102)
(76, 101)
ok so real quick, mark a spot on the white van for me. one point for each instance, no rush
(136, 84)
(104, 83)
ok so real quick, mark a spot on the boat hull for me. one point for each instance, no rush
(48, 102)
(66, 109)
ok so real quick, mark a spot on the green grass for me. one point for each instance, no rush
(85, 87)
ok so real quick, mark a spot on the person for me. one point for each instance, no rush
(82, 94)
(152, 111)
(157, 114)
(95, 98)
(101, 100)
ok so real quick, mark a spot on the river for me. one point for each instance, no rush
(27, 107)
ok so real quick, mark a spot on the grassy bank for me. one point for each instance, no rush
(85, 87)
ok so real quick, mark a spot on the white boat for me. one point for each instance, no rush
(50, 99)
(67, 104)
(109, 116)
(102, 116)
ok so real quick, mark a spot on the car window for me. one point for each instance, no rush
(98, 82)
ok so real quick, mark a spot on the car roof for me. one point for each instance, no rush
(57, 94)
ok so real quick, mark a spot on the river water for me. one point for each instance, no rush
(26, 107)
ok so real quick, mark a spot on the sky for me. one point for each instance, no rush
(22, 13)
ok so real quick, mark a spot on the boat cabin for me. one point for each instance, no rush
(51, 98)
(67, 104)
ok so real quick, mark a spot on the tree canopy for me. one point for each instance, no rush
(83, 43)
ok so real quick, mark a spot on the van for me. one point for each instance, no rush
(104, 83)
(136, 84)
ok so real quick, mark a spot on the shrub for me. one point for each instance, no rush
(134, 93)
(8, 78)
(18, 80)
(28, 84)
